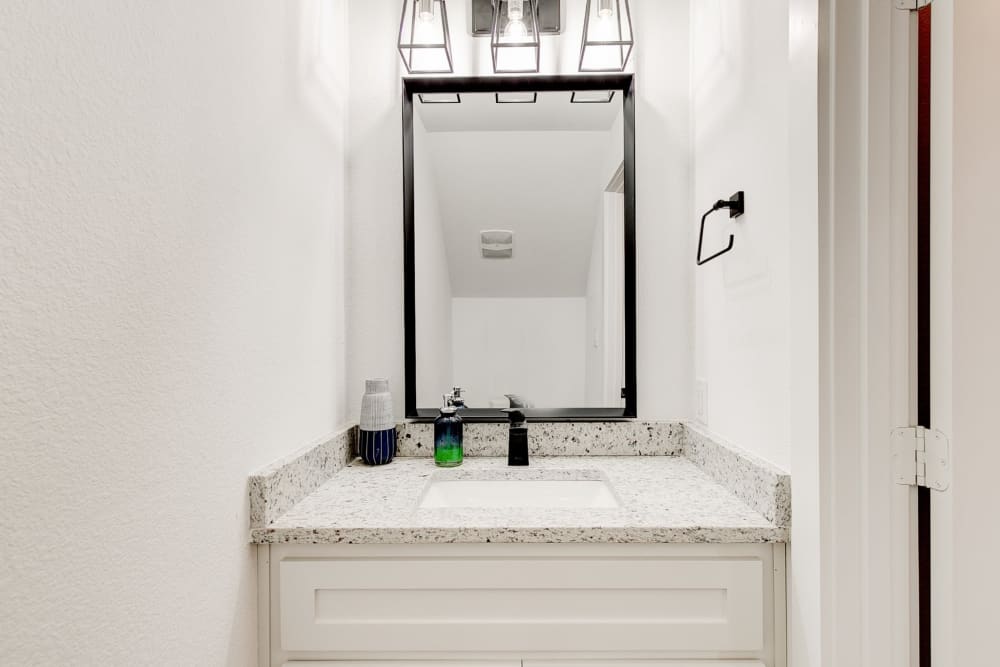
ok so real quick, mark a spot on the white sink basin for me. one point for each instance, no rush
(534, 493)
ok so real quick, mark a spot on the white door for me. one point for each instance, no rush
(965, 332)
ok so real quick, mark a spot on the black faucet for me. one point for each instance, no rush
(517, 444)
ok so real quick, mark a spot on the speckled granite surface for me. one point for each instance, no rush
(756, 482)
(634, 438)
(276, 488)
(663, 499)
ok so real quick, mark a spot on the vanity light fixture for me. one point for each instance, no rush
(607, 36)
(549, 17)
(516, 98)
(424, 42)
(515, 42)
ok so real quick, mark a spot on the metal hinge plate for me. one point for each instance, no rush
(911, 5)
(921, 457)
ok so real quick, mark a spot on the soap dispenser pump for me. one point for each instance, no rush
(517, 445)
(448, 451)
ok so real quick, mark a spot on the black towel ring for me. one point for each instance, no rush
(735, 204)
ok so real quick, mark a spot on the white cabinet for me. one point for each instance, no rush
(548, 605)
(407, 663)
(639, 663)
(525, 663)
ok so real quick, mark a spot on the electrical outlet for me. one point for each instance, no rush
(701, 401)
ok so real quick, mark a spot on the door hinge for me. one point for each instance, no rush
(921, 457)
(911, 5)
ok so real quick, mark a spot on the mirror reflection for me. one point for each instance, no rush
(519, 249)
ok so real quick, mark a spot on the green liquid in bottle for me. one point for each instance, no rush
(448, 440)
(448, 454)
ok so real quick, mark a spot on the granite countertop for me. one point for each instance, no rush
(662, 499)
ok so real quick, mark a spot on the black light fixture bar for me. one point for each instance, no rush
(545, 83)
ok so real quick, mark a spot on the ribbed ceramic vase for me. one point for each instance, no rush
(377, 433)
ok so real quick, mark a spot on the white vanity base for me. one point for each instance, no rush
(526, 663)
(536, 605)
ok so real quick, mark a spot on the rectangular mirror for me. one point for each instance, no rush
(519, 214)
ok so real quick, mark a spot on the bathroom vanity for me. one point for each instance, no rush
(673, 559)
(623, 543)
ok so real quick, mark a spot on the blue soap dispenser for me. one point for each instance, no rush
(448, 452)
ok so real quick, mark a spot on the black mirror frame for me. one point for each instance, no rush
(502, 84)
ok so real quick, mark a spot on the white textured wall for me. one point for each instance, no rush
(375, 235)
(664, 224)
(740, 85)
(527, 346)
(171, 280)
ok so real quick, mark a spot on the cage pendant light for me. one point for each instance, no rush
(515, 43)
(424, 41)
(607, 36)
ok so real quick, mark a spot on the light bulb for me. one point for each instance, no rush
(515, 30)
(605, 8)
(425, 10)
(515, 10)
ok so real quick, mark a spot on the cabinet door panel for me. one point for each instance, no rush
(640, 663)
(404, 663)
(522, 605)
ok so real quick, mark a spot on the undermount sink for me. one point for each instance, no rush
(530, 493)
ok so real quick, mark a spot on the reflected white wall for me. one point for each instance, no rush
(594, 331)
(433, 279)
(531, 347)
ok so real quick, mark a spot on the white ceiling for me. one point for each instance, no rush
(546, 187)
(538, 170)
